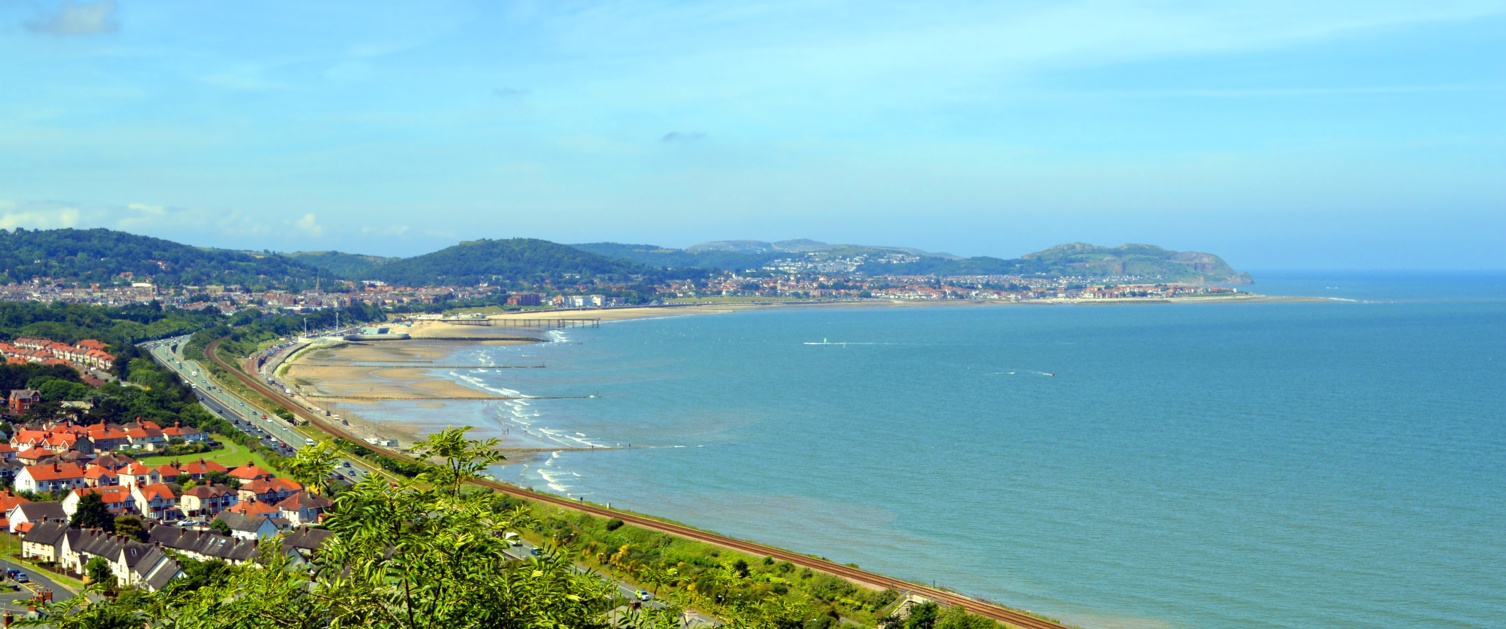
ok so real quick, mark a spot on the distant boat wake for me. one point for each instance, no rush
(826, 343)
(1024, 372)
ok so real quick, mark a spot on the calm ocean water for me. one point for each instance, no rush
(1336, 464)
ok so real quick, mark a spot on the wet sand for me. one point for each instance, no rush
(376, 370)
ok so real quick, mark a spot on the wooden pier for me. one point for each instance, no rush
(547, 324)
(467, 321)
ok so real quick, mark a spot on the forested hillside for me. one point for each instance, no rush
(101, 256)
(504, 262)
(662, 257)
(339, 265)
(119, 327)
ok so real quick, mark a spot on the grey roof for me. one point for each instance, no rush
(161, 574)
(207, 543)
(100, 544)
(305, 539)
(39, 511)
(241, 521)
(139, 554)
(49, 533)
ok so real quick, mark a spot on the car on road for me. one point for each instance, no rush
(643, 595)
(22, 578)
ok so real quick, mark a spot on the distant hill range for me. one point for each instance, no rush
(105, 256)
(1074, 259)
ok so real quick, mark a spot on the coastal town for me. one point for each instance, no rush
(754, 287)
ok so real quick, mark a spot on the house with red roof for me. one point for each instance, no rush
(138, 473)
(250, 472)
(64, 441)
(98, 476)
(197, 469)
(269, 490)
(51, 477)
(253, 507)
(8, 501)
(304, 507)
(27, 438)
(146, 437)
(186, 433)
(157, 502)
(21, 400)
(107, 437)
(207, 500)
(37, 456)
(117, 498)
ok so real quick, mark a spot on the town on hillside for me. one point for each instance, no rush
(198, 507)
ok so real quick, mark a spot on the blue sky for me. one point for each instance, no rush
(1278, 134)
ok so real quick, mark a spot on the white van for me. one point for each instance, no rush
(307, 441)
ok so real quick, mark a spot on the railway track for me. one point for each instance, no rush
(1004, 615)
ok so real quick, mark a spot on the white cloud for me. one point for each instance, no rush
(78, 18)
(39, 219)
(391, 230)
(310, 226)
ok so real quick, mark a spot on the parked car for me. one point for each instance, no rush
(22, 578)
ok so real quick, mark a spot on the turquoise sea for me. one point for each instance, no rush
(1335, 464)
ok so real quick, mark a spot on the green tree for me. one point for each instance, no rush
(922, 616)
(312, 465)
(93, 513)
(216, 477)
(464, 460)
(98, 571)
(131, 526)
(220, 527)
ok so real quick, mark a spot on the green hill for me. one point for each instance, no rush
(502, 261)
(340, 265)
(102, 256)
(1144, 260)
(665, 258)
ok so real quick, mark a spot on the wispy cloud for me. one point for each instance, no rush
(391, 230)
(309, 225)
(11, 217)
(76, 19)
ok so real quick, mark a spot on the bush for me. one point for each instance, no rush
(614, 524)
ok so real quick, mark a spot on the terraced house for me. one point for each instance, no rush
(51, 477)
